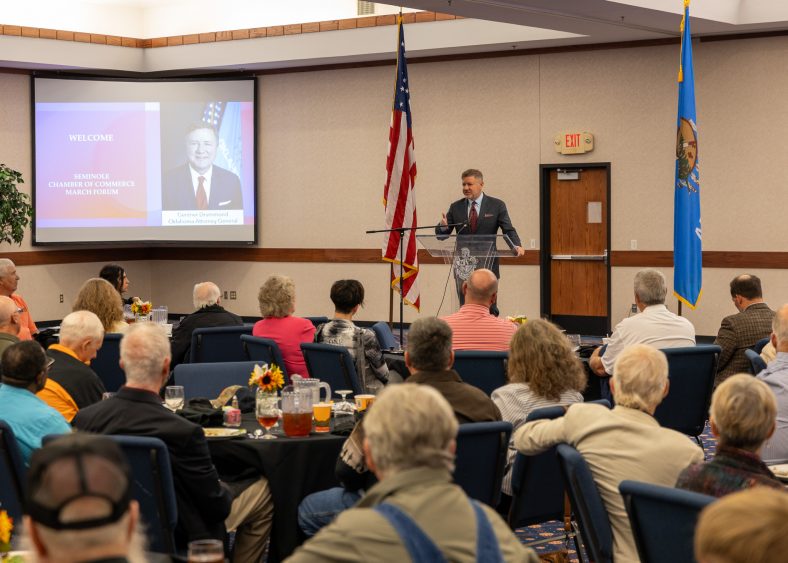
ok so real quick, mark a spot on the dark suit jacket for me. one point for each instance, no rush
(213, 315)
(178, 190)
(739, 332)
(492, 216)
(203, 502)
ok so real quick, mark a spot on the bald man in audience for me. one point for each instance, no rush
(625, 442)
(9, 323)
(207, 298)
(72, 384)
(473, 327)
(742, 330)
(9, 281)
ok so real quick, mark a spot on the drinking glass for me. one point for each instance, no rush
(363, 402)
(159, 315)
(206, 551)
(173, 397)
(266, 409)
(574, 340)
(344, 411)
(322, 415)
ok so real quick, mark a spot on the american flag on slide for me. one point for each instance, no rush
(399, 195)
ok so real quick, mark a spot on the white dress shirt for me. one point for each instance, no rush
(776, 377)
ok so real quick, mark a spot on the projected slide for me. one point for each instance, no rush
(144, 161)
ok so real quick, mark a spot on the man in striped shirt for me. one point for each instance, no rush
(473, 327)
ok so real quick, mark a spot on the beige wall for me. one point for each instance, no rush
(323, 139)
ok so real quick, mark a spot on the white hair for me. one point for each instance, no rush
(650, 287)
(78, 325)
(205, 294)
(6, 265)
(409, 426)
(143, 350)
(639, 377)
(780, 325)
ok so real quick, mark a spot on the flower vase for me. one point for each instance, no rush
(141, 318)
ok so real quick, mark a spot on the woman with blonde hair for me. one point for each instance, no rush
(277, 305)
(98, 296)
(543, 371)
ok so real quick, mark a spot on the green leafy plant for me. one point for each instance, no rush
(16, 212)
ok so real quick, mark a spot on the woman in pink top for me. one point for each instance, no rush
(277, 303)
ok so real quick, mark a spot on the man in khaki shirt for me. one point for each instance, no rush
(409, 444)
(623, 443)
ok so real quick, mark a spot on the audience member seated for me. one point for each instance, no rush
(208, 313)
(9, 280)
(348, 297)
(742, 330)
(623, 443)
(543, 371)
(473, 327)
(744, 527)
(205, 504)
(742, 418)
(409, 444)
(654, 325)
(72, 384)
(776, 377)
(429, 358)
(277, 304)
(9, 323)
(116, 276)
(79, 505)
(25, 367)
(99, 297)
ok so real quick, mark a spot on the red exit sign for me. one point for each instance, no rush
(574, 142)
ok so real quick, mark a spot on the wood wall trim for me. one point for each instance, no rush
(618, 258)
(227, 35)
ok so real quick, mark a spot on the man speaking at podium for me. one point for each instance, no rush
(479, 214)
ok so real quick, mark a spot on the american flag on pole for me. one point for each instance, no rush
(399, 195)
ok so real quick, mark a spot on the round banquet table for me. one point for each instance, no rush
(294, 467)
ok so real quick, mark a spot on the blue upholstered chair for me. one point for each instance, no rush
(587, 505)
(317, 320)
(332, 364)
(384, 335)
(259, 349)
(208, 380)
(481, 459)
(12, 474)
(106, 364)
(756, 362)
(663, 520)
(482, 369)
(758, 346)
(153, 488)
(218, 344)
(691, 371)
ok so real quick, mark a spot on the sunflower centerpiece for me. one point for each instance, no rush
(141, 309)
(267, 378)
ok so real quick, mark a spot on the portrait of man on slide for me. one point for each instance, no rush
(199, 184)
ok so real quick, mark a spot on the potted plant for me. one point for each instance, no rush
(16, 212)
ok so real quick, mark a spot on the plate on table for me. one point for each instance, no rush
(224, 433)
(780, 471)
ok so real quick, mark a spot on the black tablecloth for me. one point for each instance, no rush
(294, 467)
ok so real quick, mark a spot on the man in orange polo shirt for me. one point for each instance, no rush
(72, 384)
(8, 282)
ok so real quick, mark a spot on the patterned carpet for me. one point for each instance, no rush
(556, 529)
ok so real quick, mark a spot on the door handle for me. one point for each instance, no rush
(581, 257)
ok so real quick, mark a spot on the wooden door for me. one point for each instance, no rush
(575, 265)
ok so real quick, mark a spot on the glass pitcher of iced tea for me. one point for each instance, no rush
(297, 410)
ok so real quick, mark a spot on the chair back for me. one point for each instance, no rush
(481, 459)
(657, 514)
(756, 362)
(106, 364)
(758, 346)
(153, 488)
(317, 320)
(384, 335)
(691, 371)
(12, 474)
(218, 344)
(483, 369)
(586, 504)
(332, 364)
(259, 349)
(208, 380)
(537, 486)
